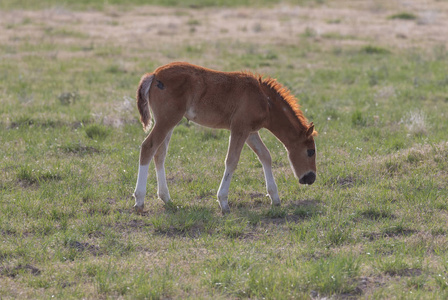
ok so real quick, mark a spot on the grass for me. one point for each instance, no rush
(372, 226)
(403, 16)
(369, 49)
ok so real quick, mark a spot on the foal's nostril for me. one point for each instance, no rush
(309, 178)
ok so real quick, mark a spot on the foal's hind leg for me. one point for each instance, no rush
(256, 144)
(159, 161)
(149, 147)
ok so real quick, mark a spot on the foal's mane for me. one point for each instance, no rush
(287, 97)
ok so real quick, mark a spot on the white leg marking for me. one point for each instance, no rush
(223, 191)
(271, 186)
(233, 155)
(162, 187)
(159, 161)
(140, 188)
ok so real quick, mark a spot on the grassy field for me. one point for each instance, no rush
(374, 224)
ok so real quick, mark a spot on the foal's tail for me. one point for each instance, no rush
(143, 100)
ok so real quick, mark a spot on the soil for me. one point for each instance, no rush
(332, 24)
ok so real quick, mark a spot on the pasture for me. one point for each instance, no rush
(371, 75)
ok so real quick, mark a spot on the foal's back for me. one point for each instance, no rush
(211, 98)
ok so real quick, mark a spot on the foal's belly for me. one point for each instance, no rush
(208, 118)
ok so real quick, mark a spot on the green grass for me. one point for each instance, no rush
(372, 226)
(403, 16)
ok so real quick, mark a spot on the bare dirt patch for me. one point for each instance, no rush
(155, 28)
(14, 271)
(81, 247)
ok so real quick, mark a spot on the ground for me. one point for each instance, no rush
(370, 74)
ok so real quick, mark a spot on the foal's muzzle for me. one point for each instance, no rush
(308, 178)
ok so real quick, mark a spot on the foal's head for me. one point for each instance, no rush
(302, 155)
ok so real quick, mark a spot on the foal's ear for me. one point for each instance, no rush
(310, 131)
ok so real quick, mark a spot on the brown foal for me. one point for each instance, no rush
(237, 101)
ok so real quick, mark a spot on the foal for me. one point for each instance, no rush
(237, 101)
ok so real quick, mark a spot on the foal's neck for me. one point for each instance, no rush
(284, 124)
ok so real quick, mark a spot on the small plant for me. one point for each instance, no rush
(115, 69)
(309, 32)
(414, 157)
(26, 173)
(22, 121)
(392, 266)
(31, 176)
(337, 236)
(358, 119)
(334, 21)
(271, 55)
(78, 148)
(97, 132)
(403, 16)
(193, 22)
(417, 283)
(376, 214)
(369, 49)
(397, 230)
(67, 98)
(392, 167)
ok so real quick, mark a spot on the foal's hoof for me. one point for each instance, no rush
(225, 209)
(139, 209)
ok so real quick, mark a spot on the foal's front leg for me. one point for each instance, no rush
(256, 144)
(233, 155)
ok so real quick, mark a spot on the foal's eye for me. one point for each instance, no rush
(311, 152)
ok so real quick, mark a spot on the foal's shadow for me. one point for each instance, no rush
(291, 212)
(193, 220)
